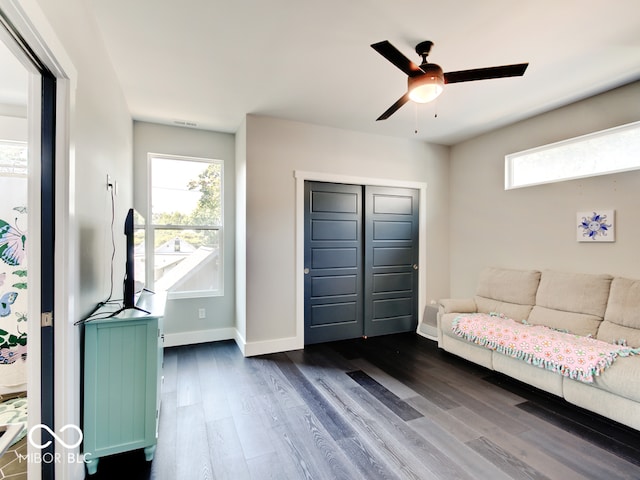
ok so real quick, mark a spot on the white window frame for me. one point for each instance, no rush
(601, 144)
(151, 229)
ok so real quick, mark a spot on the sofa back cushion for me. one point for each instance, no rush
(622, 317)
(575, 302)
(510, 286)
(512, 292)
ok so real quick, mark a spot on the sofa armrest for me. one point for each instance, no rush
(457, 305)
(453, 305)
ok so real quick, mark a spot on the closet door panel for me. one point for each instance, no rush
(391, 260)
(333, 262)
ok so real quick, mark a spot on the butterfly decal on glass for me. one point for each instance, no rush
(12, 347)
(20, 285)
(12, 243)
(5, 303)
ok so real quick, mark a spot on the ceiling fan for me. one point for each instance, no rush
(425, 82)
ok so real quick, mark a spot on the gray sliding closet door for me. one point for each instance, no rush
(361, 260)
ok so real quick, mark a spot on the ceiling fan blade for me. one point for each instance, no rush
(396, 57)
(392, 109)
(516, 70)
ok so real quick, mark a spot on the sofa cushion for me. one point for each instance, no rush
(574, 302)
(622, 317)
(515, 311)
(510, 286)
(613, 333)
(576, 323)
(574, 292)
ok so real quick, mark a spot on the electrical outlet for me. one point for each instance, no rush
(109, 182)
(202, 313)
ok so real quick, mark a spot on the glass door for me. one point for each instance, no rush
(27, 237)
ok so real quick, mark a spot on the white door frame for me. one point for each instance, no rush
(30, 22)
(301, 177)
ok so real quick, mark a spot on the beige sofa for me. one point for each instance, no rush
(608, 308)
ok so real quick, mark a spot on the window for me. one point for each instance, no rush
(609, 151)
(185, 228)
(13, 158)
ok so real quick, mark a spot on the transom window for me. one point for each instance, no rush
(185, 228)
(609, 151)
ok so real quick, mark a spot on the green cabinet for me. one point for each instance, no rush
(122, 380)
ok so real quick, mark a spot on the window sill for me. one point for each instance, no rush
(194, 294)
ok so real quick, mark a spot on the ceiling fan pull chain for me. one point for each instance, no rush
(415, 118)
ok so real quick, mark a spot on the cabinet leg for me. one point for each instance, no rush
(149, 452)
(91, 463)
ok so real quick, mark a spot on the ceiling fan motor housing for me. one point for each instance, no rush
(431, 70)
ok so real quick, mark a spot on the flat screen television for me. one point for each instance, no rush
(134, 276)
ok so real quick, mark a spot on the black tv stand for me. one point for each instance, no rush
(133, 307)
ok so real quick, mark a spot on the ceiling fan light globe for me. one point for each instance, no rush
(425, 93)
(426, 87)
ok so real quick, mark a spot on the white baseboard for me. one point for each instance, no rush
(251, 349)
(199, 336)
(248, 349)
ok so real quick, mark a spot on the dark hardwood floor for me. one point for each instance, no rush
(392, 407)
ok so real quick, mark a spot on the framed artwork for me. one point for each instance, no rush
(596, 226)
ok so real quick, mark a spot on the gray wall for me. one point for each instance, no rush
(275, 149)
(535, 227)
(101, 142)
(182, 325)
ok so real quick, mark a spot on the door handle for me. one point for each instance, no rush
(415, 266)
(306, 271)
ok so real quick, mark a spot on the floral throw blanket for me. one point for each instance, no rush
(574, 356)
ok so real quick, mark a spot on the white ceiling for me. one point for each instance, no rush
(211, 62)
